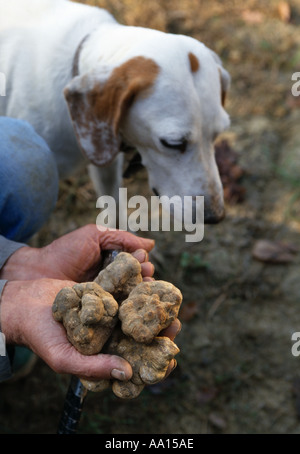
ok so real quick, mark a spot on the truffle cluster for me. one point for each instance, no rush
(120, 314)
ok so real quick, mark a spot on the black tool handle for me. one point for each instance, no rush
(72, 407)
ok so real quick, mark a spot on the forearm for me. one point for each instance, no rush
(7, 249)
(9, 269)
(13, 310)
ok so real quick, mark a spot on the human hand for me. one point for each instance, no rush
(26, 319)
(76, 256)
(172, 331)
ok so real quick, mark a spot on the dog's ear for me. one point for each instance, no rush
(97, 102)
(224, 77)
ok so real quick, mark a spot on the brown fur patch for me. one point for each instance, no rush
(97, 113)
(194, 62)
(111, 100)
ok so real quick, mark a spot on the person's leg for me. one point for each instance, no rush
(28, 194)
(28, 180)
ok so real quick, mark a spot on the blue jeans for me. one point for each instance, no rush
(28, 180)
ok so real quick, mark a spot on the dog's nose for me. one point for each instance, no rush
(213, 213)
(212, 216)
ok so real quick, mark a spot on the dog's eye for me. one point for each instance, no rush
(181, 145)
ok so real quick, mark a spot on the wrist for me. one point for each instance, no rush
(10, 313)
(23, 264)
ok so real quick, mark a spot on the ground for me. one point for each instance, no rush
(236, 373)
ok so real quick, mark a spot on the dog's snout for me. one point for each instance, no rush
(213, 212)
(213, 216)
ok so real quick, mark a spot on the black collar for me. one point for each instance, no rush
(75, 67)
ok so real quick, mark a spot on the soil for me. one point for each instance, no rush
(236, 373)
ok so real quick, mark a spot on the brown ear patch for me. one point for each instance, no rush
(96, 107)
(194, 62)
(110, 100)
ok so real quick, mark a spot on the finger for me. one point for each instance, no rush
(172, 366)
(141, 255)
(148, 279)
(147, 269)
(99, 366)
(126, 241)
(172, 331)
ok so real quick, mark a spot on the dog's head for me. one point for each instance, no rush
(166, 99)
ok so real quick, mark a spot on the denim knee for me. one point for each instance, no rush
(28, 180)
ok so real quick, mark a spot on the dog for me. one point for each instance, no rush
(89, 85)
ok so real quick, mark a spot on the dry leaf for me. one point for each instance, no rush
(284, 11)
(273, 252)
(217, 421)
(252, 17)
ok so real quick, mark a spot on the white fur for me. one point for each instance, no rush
(38, 41)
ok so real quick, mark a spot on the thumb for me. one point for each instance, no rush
(101, 366)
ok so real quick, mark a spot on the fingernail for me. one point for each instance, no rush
(140, 255)
(179, 327)
(118, 374)
(148, 279)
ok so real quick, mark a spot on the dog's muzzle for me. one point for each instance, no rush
(213, 213)
(212, 217)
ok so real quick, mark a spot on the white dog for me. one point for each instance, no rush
(87, 83)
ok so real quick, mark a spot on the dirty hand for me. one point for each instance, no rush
(75, 256)
(26, 319)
